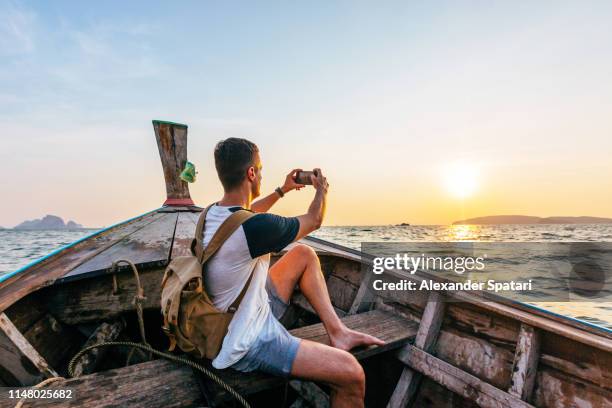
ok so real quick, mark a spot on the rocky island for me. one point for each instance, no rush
(48, 222)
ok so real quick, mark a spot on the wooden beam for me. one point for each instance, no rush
(365, 297)
(24, 346)
(431, 321)
(172, 146)
(459, 381)
(525, 365)
(87, 363)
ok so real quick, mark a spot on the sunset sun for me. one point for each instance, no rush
(460, 180)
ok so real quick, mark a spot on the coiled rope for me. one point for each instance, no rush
(178, 359)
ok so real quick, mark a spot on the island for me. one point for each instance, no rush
(526, 219)
(48, 222)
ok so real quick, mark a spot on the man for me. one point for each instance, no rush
(256, 340)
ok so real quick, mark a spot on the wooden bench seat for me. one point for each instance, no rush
(165, 383)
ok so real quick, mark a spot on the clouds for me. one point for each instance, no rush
(72, 66)
(17, 29)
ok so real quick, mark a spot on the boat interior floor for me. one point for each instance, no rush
(164, 383)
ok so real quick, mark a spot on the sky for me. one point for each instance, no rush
(398, 102)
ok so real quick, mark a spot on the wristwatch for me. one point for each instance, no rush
(279, 191)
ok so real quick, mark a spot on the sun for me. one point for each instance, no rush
(460, 179)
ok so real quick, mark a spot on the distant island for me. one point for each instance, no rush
(48, 222)
(526, 219)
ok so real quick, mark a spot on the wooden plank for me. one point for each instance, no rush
(149, 246)
(341, 293)
(476, 356)
(365, 297)
(93, 300)
(25, 347)
(431, 321)
(184, 233)
(391, 328)
(555, 389)
(163, 383)
(458, 381)
(49, 270)
(16, 370)
(88, 362)
(525, 366)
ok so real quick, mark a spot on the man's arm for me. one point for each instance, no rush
(313, 219)
(264, 204)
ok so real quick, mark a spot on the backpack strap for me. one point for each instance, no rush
(221, 235)
(224, 231)
(197, 246)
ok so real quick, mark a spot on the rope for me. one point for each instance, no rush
(39, 385)
(138, 299)
(168, 356)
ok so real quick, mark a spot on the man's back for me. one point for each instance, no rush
(246, 251)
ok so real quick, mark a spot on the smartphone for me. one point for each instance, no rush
(303, 177)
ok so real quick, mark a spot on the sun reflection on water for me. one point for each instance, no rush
(463, 233)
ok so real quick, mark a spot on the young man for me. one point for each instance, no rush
(256, 340)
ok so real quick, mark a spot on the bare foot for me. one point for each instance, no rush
(348, 339)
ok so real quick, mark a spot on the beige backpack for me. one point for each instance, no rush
(191, 321)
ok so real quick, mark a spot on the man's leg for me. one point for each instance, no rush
(337, 368)
(300, 266)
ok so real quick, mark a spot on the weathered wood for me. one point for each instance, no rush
(311, 393)
(147, 247)
(24, 347)
(458, 381)
(93, 300)
(394, 330)
(88, 362)
(556, 390)
(429, 328)
(598, 372)
(341, 293)
(163, 383)
(365, 297)
(54, 341)
(431, 394)
(525, 365)
(184, 233)
(476, 356)
(172, 145)
(46, 272)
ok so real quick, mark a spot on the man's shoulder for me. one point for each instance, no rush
(267, 232)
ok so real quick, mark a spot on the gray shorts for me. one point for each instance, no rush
(275, 349)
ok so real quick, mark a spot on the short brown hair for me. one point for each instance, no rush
(233, 157)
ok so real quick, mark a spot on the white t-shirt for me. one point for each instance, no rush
(225, 274)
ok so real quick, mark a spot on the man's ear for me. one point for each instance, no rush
(251, 173)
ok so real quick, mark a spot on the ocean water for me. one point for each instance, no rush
(18, 248)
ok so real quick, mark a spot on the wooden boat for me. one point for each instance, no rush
(476, 352)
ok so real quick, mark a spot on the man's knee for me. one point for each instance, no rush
(304, 252)
(354, 376)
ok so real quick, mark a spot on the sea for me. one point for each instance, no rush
(18, 248)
